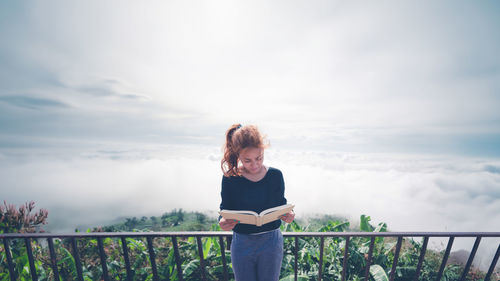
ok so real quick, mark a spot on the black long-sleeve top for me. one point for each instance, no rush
(239, 193)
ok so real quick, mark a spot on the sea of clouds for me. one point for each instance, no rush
(85, 188)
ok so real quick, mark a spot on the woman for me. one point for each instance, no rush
(256, 251)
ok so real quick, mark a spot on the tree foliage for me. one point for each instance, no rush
(21, 219)
(308, 253)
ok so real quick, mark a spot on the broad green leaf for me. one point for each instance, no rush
(364, 224)
(190, 267)
(382, 227)
(107, 241)
(378, 273)
(206, 246)
(390, 246)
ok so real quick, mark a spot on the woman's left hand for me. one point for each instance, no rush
(288, 218)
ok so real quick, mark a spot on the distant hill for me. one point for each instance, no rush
(180, 220)
(459, 257)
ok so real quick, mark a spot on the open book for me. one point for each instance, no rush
(251, 217)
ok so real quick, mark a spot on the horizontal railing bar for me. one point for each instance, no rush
(228, 233)
(393, 234)
(119, 234)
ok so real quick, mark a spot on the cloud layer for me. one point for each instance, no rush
(82, 188)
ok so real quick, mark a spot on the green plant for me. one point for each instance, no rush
(308, 257)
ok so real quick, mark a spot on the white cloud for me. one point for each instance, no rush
(409, 192)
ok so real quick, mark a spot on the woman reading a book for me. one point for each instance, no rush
(256, 251)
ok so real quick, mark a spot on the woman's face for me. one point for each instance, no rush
(252, 159)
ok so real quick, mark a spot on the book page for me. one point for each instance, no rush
(245, 212)
(288, 207)
(274, 213)
(251, 217)
(242, 216)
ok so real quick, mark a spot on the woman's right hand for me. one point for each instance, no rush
(227, 225)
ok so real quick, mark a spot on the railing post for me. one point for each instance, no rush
(76, 255)
(296, 253)
(31, 260)
(421, 258)
(445, 258)
(102, 255)
(493, 264)
(152, 257)
(223, 257)
(322, 245)
(177, 257)
(346, 256)
(125, 257)
(12, 272)
(396, 257)
(53, 259)
(202, 261)
(471, 258)
(369, 258)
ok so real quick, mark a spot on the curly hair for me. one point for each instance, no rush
(239, 138)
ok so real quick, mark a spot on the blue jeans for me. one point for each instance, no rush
(257, 257)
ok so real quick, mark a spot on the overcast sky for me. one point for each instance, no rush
(369, 106)
(385, 76)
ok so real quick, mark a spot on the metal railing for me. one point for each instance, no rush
(227, 235)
